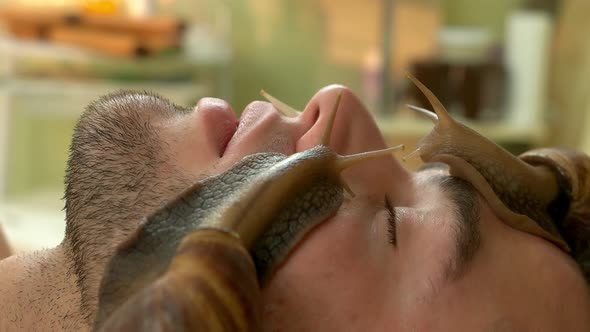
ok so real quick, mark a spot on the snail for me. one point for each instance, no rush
(264, 204)
(519, 193)
(198, 262)
(544, 192)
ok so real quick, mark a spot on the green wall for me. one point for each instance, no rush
(489, 13)
(38, 151)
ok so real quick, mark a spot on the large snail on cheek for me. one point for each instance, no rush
(189, 266)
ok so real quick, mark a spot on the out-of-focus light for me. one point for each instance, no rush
(101, 6)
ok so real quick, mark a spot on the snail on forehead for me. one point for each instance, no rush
(519, 193)
(544, 192)
(197, 263)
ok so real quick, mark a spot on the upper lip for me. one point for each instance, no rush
(260, 126)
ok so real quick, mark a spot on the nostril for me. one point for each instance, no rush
(315, 115)
(310, 119)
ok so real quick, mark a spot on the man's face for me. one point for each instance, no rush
(436, 258)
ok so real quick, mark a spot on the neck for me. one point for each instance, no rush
(39, 292)
(87, 264)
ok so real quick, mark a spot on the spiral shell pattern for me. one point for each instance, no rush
(210, 285)
(571, 209)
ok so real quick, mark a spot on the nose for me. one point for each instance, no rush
(354, 129)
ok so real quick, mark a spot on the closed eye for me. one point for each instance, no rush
(392, 222)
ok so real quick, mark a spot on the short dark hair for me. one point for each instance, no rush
(112, 177)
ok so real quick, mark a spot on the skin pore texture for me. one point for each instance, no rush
(347, 266)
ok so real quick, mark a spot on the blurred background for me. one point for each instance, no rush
(516, 70)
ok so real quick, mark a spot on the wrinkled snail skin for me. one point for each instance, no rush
(139, 279)
(267, 202)
(519, 193)
(145, 255)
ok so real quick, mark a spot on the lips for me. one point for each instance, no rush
(225, 138)
(251, 115)
(262, 128)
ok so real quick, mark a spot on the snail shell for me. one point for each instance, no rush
(572, 210)
(197, 292)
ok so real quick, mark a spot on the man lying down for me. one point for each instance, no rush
(403, 251)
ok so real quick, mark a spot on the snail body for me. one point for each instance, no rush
(267, 201)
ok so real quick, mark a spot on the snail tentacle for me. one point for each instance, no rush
(344, 162)
(283, 108)
(327, 134)
(426, 113)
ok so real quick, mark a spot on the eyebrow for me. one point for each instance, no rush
(467, 233)
(466, 230)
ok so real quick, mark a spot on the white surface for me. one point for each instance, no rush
(30, 228)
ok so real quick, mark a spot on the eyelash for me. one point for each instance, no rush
(392, 222)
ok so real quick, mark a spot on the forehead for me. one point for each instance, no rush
(425, 177)
(556, 273)
(435, 167)
(429, 228)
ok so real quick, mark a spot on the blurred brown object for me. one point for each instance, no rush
(415, 27)
(28, 23)
(474, 87)
(143, 27)
(114, 35)
(4, 246)
(112, 43)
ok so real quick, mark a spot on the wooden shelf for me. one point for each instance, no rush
(407, 126)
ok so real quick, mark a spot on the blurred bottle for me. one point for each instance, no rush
(527, 54)
(141, 8)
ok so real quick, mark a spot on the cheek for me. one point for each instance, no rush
(331, 282)
(188, 150)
